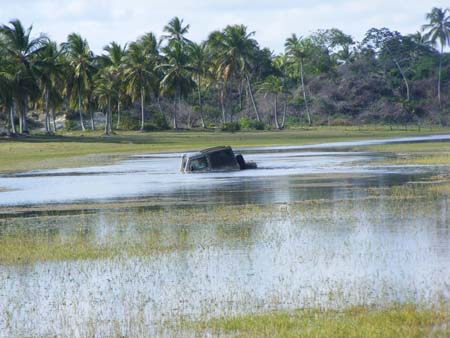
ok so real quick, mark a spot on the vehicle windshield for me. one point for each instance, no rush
(198, 164)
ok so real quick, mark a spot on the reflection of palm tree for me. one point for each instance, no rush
(177, 79)
(295, 50)
(438, 32)
(21, 49)
(80, 59)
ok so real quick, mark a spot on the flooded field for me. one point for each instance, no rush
(137, 248)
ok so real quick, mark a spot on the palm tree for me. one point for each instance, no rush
(296, 52)
(6, 79)
(114, 61)
(80, 59)
(138, 75)
(234, 52)
(273, 85)
(438, 32)
(176, 31)
(198, 61)
(49, 71)
(105, 83)
(177, 80)
(20, 48)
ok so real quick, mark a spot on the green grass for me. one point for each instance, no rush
(92, 148)
(430, 153)
(362, 321)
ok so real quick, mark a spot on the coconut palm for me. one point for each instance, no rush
(138, 75)
(234, 52)
(438, 32)
(80, 59)
(199, 63)
(114, 62)
(296, 53)
(177, 81)
(49, 73)
(6, 81)
(175, 31)
(105, 90)
(273, 85)
(20, 48)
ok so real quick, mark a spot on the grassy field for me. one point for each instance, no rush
(430, 153)
(92, 148)
(362, 321)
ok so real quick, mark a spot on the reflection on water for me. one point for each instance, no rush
(326, 232)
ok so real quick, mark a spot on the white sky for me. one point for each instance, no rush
(103, 21)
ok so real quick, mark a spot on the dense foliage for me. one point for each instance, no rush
(227, 81)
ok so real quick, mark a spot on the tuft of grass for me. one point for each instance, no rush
(394, 321)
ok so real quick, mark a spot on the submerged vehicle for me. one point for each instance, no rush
(214, 159)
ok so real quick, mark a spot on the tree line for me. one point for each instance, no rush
(226, 81)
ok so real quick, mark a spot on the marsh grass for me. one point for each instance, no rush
(429, 153)
(394, 321)
(156, 231)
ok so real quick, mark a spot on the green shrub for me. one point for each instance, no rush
(231, 127)
(129, 122)
(160, 122)
(247, 123)
(292, 121)
(70, 125)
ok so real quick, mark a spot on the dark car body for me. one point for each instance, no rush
(214, 159)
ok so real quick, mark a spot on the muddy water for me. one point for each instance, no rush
(335, 237)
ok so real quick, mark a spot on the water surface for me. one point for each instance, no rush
(327, 230)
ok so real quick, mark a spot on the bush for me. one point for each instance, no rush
(160, 122)
(70, 125)
(247, 123)
(292, 121)
(231, 127)
(259, 125)
(129, 122)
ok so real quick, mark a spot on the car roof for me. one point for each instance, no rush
(214, 149)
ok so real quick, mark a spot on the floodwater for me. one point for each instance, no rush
(334, 237)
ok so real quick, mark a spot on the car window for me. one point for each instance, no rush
(198, 164)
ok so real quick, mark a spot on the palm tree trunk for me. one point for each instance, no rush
(47, 117)
(118, 114)
(222, 94)
(405, 81)
(91, 114)
(79, 111)
(20, 110)
(24, 116)
(304, 93)
(200, 102)
(439, 76)
(276, 112)
(142, 109)
(54, 120)
(108, 118)
(240, 96)
(252, 98)
(283, 120)
(11, 119)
